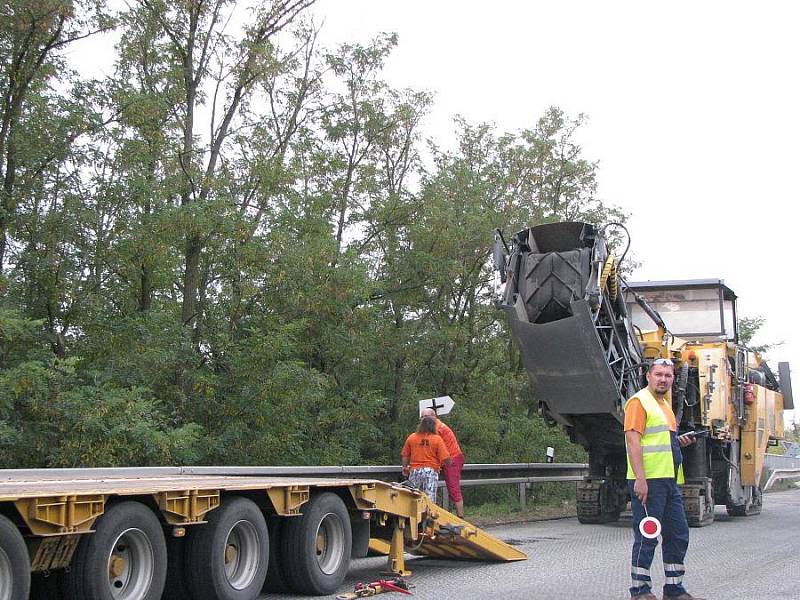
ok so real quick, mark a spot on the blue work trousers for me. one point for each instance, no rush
(665, 504)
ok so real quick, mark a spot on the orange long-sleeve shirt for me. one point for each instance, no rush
(449, 439)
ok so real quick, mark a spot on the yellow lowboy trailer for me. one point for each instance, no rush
(131, 535)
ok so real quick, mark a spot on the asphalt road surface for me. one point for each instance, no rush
(750, 558)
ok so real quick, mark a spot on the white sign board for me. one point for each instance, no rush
(441, 404)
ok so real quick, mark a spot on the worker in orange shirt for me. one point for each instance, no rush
(423, 454)
(451, 471)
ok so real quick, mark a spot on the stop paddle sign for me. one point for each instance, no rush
(650, 527)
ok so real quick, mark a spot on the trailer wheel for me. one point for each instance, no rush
(124, 559)
(276, 577)
(227, 558)
(316, 546)
(175, 586)
(15, 564)
(46, 585)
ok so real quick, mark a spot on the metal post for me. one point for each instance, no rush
(445, 499)
(522, 495)
(397, 563)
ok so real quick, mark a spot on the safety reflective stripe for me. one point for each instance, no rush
(640, 577)
(660, 448)
(673, 580)
(674, 567)
(656, 429)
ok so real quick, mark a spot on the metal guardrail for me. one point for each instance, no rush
(509, 472)
(781, 467)
(523, 483)
(776, 461)
(779, 474)
(524, 475)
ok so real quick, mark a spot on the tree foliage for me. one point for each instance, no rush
(248, 253)
(748, 328)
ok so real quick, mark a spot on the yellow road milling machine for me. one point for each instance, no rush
(586, 338)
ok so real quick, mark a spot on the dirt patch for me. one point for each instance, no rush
(541, 513)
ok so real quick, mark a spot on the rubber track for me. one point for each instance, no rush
(550, 282)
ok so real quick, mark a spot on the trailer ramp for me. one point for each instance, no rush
(441, 534)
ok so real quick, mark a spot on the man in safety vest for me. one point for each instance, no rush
(654, 472)
(451, 471)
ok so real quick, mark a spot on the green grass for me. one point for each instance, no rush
(500, 503)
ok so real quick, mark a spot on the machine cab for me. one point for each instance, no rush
(695, 309)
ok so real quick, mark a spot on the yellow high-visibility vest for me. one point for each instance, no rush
(656, 441)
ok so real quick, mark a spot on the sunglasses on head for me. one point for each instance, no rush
(666, 362)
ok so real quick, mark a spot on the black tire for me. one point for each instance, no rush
(15, 564)
(176, 587)
(316, 546)
(129, 534)
(227, 558)
(46, 585)
(276, 576)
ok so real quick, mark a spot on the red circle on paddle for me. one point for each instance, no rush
(650, 527)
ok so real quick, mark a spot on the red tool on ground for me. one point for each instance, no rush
(364, 590)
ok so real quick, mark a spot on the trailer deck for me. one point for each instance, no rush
(54, 511)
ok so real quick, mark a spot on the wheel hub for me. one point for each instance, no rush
(242, 554)
(231, 554)
(116, 566)
(130, 565)
(329, 543)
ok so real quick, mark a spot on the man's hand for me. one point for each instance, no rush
(686, 440)
(640, 489)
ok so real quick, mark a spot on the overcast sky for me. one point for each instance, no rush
(693, 117)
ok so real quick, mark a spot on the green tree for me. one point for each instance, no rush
(793, 432)
(748, 328)
(249, 253)
(32, 36)
(54, 413)
(439, 331)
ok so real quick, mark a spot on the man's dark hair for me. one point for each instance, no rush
(427, 425)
